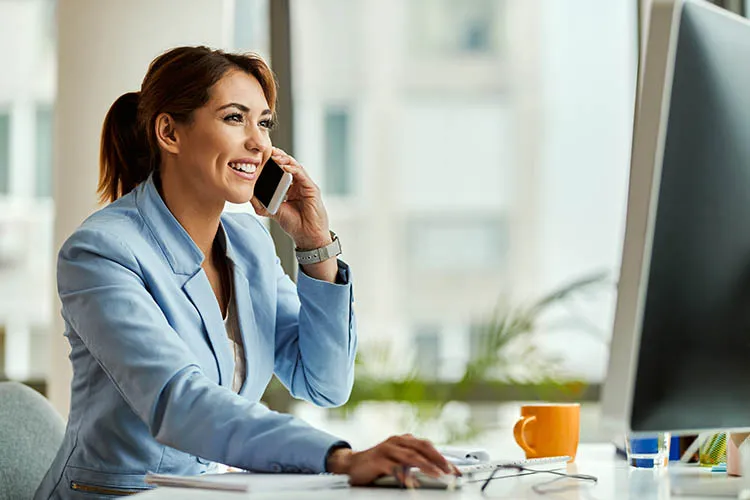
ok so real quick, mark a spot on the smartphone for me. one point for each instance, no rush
(272, 185)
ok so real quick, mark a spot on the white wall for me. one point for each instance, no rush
(104, 49)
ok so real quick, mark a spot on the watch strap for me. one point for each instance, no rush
(321, 254)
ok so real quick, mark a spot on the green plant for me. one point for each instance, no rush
(506, 338)
(505, 327)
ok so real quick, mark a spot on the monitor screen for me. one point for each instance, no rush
(681, 346)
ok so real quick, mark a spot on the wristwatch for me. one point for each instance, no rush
(329, 251)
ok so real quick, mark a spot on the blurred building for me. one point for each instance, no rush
(27, 90)
(472, 153)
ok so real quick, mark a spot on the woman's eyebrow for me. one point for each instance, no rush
(243, 108)
(237, 105)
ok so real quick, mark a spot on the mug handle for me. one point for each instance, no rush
(518, 432)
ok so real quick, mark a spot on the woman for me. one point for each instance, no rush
(178, 315)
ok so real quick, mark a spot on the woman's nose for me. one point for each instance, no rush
(256, 139)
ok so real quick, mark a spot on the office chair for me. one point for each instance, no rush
(30, 434)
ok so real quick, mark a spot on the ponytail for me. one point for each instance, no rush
(125, 156)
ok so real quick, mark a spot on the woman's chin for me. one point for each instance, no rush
(238, 198)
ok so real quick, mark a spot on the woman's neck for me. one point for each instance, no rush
(199, 217)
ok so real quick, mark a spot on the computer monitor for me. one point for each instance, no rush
(680, 351)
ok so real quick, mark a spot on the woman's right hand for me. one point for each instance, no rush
(394, 456)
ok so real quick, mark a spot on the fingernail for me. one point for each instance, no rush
(411, 481)
(398, 474)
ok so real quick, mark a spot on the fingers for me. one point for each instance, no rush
(259, 208)
(289, 164)
(303, 189)
(414, 459)
(368, 465)
(420, 453)
(455, 470)
(405, 477)
(426, 449)
(396, 456)
(285, 161)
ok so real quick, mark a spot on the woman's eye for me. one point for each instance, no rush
(268, 124)
(234, 117)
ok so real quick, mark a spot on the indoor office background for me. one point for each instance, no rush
(474, 158)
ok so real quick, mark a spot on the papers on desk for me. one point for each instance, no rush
(250, 482)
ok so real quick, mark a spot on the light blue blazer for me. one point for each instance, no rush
(152, 365)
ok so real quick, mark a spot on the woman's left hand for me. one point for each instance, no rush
(302, 215)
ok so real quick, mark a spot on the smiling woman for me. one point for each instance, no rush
(179, 314)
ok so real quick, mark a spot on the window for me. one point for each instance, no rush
(251, 26)
(448, 244)
(44, 151)
(4, 153)
(436, 145)
(491, 163)
(427, 352)
(26, 212)
(338, 162)
(450, 28)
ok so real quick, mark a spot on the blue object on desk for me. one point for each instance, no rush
(674, 449)
(640, 444)
(649, 451)
(643, 445)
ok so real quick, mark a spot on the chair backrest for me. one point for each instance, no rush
(31, 432)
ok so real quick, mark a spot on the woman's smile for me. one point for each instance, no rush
(246, 168)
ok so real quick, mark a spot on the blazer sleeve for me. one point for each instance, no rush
(106, 302)
(316, 337)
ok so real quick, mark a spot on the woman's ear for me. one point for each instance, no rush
(166, 133)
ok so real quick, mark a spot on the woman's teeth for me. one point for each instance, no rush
(248, 168)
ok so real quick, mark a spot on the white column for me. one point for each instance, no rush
(22, 149)
(104, 49)
(17, 349)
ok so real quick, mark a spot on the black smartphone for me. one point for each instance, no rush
(272, 185)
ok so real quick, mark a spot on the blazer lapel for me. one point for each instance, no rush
(247, 322)
(199, 290)
(185, 259)
(255, 348)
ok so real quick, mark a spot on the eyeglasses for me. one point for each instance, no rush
(537, 488)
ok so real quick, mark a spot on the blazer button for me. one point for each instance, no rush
(275, 467)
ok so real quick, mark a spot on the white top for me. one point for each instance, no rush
(234, 336)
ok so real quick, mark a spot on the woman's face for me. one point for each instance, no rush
(224, 147)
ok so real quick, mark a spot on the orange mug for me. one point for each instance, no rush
(549, 430)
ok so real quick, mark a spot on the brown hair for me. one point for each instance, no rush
(177, 83)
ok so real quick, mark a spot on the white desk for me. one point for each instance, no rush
(616, 481)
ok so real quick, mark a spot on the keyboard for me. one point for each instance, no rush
(471, 471)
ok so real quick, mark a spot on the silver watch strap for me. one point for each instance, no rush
(321, 254)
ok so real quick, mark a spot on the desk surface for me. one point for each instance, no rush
(616, 481)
